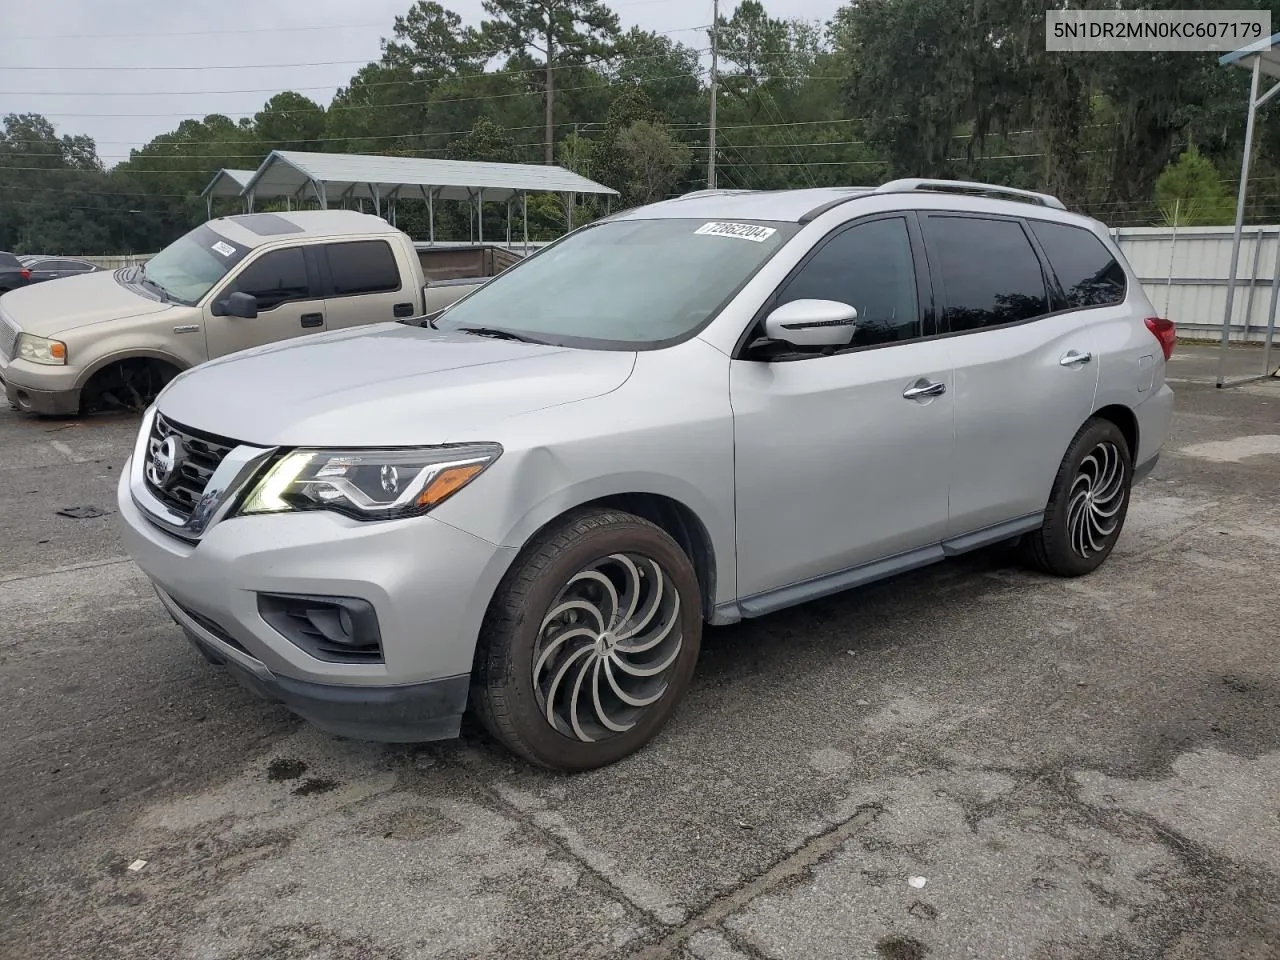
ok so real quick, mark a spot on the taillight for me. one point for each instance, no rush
(26, 274)
(1165, 331)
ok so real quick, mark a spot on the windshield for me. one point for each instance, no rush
(189, 267)
(625, 283)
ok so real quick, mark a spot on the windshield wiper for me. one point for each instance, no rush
(147, 281)
(499, 334)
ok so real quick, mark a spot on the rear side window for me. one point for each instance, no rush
(9, 262)
(275, 278)
(990, 272)
(362, 266)
(1086, 269)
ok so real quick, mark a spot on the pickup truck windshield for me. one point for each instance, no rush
(623, 284)
(188, 268)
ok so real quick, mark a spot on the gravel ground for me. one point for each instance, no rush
(968, 761)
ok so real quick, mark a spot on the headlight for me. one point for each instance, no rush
(369, 484)
(39, 350)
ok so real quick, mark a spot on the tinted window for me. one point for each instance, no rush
(9, 262)
(990, 272)
(1089, 274)
(364, 266)
(869, 267)
(275, 278)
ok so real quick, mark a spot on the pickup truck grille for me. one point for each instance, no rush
(202, 453)
(8, 336)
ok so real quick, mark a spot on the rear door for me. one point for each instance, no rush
(1025, 369)
(287, 289)
(364, 283)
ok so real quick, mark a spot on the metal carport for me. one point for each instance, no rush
(337, 177)
(1260, 58)
(225, 183)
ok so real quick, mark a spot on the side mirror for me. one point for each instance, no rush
(243, 305)
(812, 323)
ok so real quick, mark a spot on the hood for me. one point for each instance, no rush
(386, 385)
(56, 306)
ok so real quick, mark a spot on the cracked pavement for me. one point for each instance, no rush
(967, 761)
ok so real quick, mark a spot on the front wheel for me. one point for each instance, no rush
(1088, 505)
(590, 642)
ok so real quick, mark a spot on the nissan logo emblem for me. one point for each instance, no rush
(166, 461)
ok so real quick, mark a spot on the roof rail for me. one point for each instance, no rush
(920, 183)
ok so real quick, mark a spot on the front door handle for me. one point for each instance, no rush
(402, 310)
(313, 319)
(923, 389)
(1073, 359)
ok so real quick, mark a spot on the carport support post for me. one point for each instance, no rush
(430, 197)
(480, 213)
(508, 224)
(1271, 311)
(1259, 239)
(1241, 196)
(524, 203)
(208, 206)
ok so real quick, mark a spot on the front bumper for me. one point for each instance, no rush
(50, 391)
(409, 713)
(428, 582)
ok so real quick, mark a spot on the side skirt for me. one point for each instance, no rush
(789, 596)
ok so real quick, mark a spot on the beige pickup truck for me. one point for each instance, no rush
(113, 339)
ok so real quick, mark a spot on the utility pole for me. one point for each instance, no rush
(715, 76)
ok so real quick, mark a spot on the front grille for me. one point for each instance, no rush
(8, 336)
(202, 453)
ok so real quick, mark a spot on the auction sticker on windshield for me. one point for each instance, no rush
(743, 231)
(225, 249)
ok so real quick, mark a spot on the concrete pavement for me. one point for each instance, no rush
(969, 761)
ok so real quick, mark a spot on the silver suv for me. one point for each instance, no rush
(702, 410)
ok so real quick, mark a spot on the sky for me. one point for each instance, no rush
(99, 68)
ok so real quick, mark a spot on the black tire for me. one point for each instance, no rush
(1072, 543)
(504, 695)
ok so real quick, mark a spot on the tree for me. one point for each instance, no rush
(564, 32)
(654, 161)
(433, 43)
(289, 121)
(1190, 192)
(486, 142)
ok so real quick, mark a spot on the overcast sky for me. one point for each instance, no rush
(94, 67)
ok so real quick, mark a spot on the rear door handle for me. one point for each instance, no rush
(923, 389)
(313, 319)
(1073, 359)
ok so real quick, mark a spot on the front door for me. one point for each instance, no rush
(1025, 375)
(289, 303)
(842, 460)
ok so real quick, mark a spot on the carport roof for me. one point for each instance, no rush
(227, 183)
(1266, 51)
(289, 173)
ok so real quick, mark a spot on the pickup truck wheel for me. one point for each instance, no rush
(589, 643)
(1088, 505)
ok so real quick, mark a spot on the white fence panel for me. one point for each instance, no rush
(1185, 272)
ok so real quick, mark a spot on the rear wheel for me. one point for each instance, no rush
(1088, 505)
(590, 642)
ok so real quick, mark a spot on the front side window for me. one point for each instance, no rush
(362, 266)
(990, 272)
(277, 277)
(868, 266)
(189, 267)
(1088, 272)
(623, 284)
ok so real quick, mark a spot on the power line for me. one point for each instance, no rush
(387, 106)
(438, 81)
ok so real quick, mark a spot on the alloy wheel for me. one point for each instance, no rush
(606, 647)
(1096, 498)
